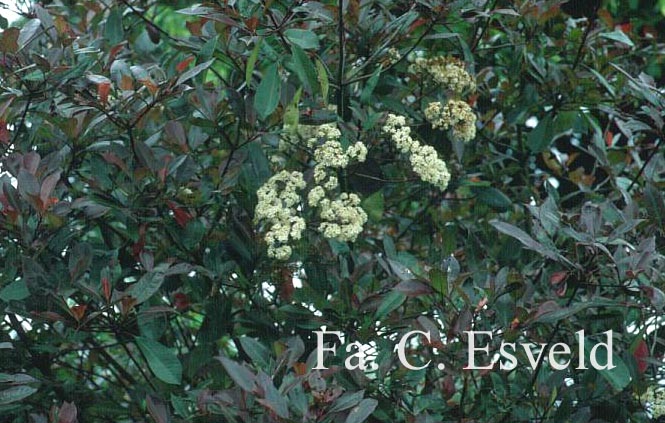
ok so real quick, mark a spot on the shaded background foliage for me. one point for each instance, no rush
(135, 285)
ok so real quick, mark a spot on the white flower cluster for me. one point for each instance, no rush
(332, 154)
(656, 399)
(343, 218)
(426, 163)
(325, 132)
(448, 72)
(424, 159)
(277, 205)
(400, 133)
(456, 115)
(394, 55)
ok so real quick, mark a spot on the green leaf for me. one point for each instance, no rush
(113, 30)
(268, 92)
(492, 197)
(15, 291)
(303, 38)
(362, 411)
(346, 401)
(374, 205)
(322, 75)
(208, 49)
(194, 71)
(80, 259)
(194, 232)
(28, 32)
(162, 361)
(618, 36)
(291, 116)
(16, 379)
(527, 241)
(149, 284)
(251, 62)
(241, 375)
(273, 399)
(540, 137)
(439, 280)
(391, 301)
(16, 393)
(366, 94)
(619, 376)
(256, 351)
(305, 69)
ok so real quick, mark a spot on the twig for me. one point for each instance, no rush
(404, 56)
(340, 65)
(22, 120)
(476, 42)
(644, 165)
(148, 21)
(592, 21)
(138, 365)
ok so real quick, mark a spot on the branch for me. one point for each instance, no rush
(340, 65)
(148, 21)
(644, 165)
(476, 42)
(404, 56)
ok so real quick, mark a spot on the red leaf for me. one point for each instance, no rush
(413, 288)
(127, 303)
(641, 353)
(181, 301)
(137, 247)
(417, 23)
(300, 368)
(609, 138)
(106, 289)
(103, 90)
(4, 133)
(47, 187)
(194, 27)
(182, 217)
(157, 409)
(150, 85)
(625, 27)
(48, 315)
(561, 290)
(180, 67)
(67, 413)
(558, 277)
(114, 52)
(113, 159)
(252, 23)
(126, 83)
(655, 295)
(78, 311)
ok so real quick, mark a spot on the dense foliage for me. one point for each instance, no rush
(189, 191)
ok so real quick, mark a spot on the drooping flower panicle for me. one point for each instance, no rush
(343, 218)
(277, 207)
(456, 115)
(448, 72)
(279, 204)
(424, 159)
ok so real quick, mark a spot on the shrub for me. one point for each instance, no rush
(189, 192)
